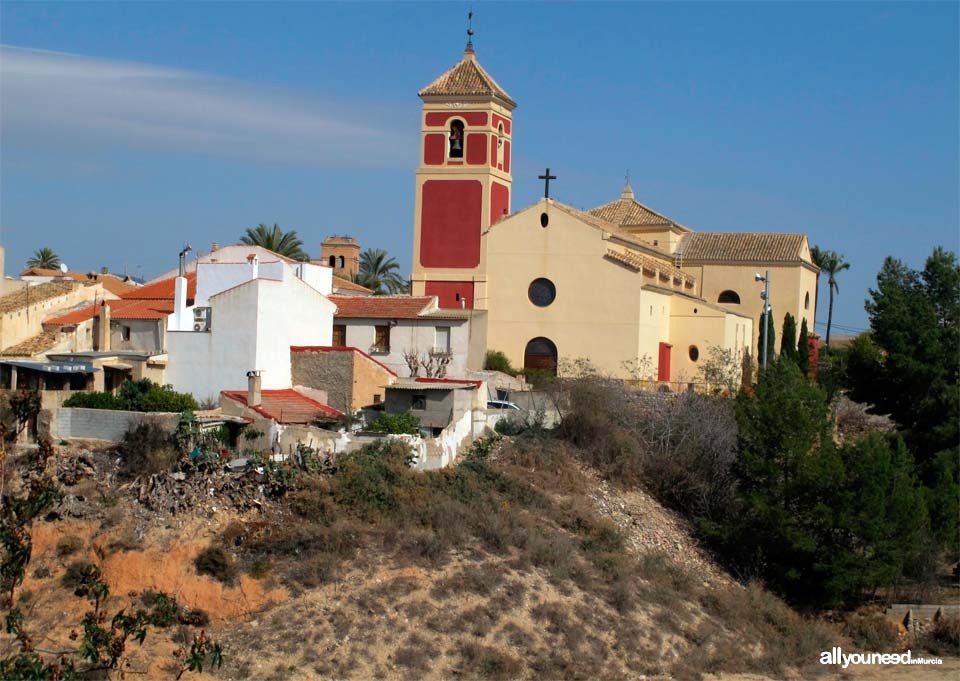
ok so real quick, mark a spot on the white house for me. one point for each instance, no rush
(245, 317)
(388, 327)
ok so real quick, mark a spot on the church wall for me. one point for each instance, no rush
(451, 223)
(654, 329)
(596, 313)
(694, 324)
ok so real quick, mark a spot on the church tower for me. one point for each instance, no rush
(463, 181)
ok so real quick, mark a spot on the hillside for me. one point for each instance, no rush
(520, 563)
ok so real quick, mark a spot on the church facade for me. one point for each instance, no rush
(633, 292)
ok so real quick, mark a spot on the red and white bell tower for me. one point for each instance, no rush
(463, 182)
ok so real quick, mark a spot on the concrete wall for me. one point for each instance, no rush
(145, 334)
(104, 424)
(439, 409)
(411, 334)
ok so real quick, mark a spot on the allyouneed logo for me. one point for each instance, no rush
(837, 656)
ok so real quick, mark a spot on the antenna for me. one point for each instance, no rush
(63, 267)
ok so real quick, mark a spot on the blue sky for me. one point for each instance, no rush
(128, 129)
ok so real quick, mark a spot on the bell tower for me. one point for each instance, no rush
(463, 181)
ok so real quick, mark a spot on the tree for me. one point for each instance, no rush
(832, 263)
(771, 340)
(380, 273)
(788, 341)
(275, 239)
(803, 348)
(44, 258)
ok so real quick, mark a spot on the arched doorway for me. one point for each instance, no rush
(541, 354)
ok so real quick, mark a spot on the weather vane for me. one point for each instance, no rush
(470, 27)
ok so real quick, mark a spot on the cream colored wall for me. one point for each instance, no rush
(597, 311)
(654, 328)
(19, 325)
(666, 238)
(789, 286)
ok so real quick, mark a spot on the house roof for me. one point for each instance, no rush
(434, 384)
(119, 309)
(381, 307)
(340, 348)
(467, 79)
(31, 295)
(639, 262)
(628, 212)
(741, 247)
(34, 345)
(285, 406)
(163, 289)
(342, 283)
(111, 282)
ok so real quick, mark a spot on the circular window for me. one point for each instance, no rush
(542, 292)
(694, 353)
(544, 219)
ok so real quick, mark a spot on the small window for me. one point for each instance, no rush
(456, 139)
(806, 301)
(542, 292)
(333, 261)
(499, 157)
(377, 398)
(418, 402)
(694, 353)
(544, 220)
(381, 341)
(340, 262)
(443, 339)
(656, 243)
(731, 297)
(457, 298)
(339, 335)
(125, 332)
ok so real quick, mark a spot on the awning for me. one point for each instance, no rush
(118, 366)
(52, 367)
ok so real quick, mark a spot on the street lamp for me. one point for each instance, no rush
(765, 296)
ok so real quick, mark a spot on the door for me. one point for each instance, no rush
(663, 365)
(541, 354)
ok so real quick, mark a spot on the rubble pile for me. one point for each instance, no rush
(175, 493)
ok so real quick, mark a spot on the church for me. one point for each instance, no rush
(623, 286)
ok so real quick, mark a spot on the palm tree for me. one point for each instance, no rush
(380, 273)
(832, 263)
(44, 258)
(276, 240)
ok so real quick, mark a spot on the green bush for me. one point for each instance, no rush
(215, 562)
(396, 424)
(871, 632)
(143, 395)
(498, 361)
(95, 400)
(369, 480)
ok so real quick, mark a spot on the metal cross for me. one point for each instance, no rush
(546, 177)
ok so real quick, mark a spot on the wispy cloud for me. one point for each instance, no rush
(75, 101)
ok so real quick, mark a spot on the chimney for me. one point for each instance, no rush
(214, 247)
(104, 270)
(253, 388)
(103, 327)
(180, 305)
(254, 265)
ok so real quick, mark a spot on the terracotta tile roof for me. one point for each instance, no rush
(345, 284)
(34, 345)
(285, 406)
(30, 295)
(340, 348)
(163, 289)
(610, 228)
(111, 282)
(381, 307)
(628, 212)
(639, 262)
(119, 309)
(467, 79)
(741, 247)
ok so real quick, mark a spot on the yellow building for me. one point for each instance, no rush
(633, 292)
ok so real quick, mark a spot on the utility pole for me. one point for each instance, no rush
(766, 311)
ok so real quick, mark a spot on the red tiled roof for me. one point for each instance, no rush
(119, 309)
(163, 289)
(338, 348)
(111, 282)
(285, 406)
(381, 307)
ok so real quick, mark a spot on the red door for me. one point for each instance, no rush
(663, 366)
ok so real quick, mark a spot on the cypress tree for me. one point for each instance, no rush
(788, 341)
(803, 348)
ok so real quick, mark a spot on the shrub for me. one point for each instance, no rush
(147, 450)
(79, 576)
(944, 637)
(396, 424)
(871, 632)
(142, 395)
(369, 480)
(164, 609)
(498, 361)
(68, 545)
(215, 562)
(95, 400)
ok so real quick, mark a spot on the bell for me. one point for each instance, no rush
(456, 144)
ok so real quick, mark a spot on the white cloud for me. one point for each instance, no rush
(72, 101)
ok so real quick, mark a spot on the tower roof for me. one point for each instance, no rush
(628, 212)
(467, 79)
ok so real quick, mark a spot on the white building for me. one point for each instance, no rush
(245, 317)
(390, 327)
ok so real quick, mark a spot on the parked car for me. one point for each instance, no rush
(502, 404)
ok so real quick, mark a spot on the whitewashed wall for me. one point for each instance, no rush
(411, 334)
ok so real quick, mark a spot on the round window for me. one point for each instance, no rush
(694, 353)
(542, 292)
(544, 219)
